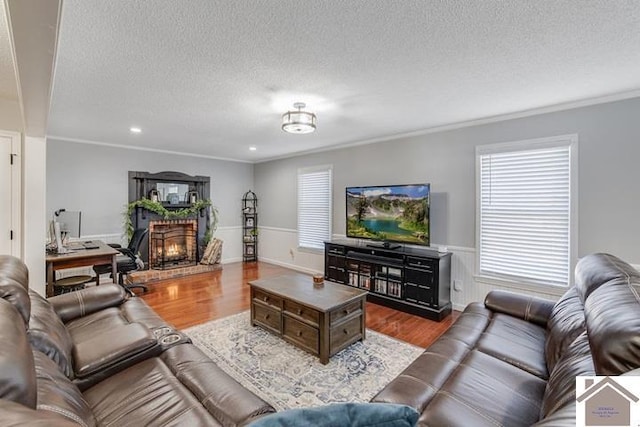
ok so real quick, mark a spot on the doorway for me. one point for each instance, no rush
(10, 211)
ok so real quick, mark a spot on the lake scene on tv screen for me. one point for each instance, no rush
(398, 213)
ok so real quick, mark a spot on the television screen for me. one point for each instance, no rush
(396, 213)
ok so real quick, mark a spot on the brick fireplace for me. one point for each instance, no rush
(173, 247)
(173, 243)
(174, 190)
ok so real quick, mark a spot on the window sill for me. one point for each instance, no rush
(315, 251)
(522, 285)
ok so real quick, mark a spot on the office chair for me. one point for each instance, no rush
(126, 262)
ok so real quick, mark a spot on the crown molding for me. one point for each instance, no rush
(154, 150)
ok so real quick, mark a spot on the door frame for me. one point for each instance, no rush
(16, 194)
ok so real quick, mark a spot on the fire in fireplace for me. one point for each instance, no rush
(172, 243)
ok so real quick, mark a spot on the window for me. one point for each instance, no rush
(526, 210)
(314, 206)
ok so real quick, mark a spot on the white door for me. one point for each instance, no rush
(9, 193)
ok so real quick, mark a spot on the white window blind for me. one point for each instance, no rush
(525, 213)
(314, 207)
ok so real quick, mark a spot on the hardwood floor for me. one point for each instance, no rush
(199, 298)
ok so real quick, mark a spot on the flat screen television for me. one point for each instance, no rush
(389, 213)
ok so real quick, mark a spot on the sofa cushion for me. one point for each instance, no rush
(516, 341)
(486, 391)
(343, 414)
(87, 327)
(146, 394)
(48, 334)
(565, 323)
(17, 372)
(561, 388)
(138, 311)
(228, 401)
(57, 394)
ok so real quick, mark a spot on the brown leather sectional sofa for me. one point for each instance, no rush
(512, 361)
(98, 357)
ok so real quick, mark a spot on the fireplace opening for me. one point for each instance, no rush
(172, 244)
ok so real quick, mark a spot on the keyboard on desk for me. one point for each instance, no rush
(78, 246)
(90, 245)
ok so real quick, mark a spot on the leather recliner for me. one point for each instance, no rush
(513, 360)
(91, 358)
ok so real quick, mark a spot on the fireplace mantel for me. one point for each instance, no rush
(143, 184)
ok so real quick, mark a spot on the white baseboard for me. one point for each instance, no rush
(291, 266)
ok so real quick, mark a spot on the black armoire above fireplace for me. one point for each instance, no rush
(175, 191)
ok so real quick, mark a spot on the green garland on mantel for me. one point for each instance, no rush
(156, 207)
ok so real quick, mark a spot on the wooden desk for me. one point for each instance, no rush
(105, 254)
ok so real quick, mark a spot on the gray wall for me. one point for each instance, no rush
(609, 151)
(93, 179)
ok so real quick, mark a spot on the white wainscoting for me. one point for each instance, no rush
(280, 246)
(231, 249)
(232, 243)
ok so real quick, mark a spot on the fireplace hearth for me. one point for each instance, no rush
(172, 243)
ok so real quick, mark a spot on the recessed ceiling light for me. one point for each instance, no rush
(134, 129)
(252, 148)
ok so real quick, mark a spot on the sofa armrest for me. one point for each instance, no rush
(86, 301)
(532, 309)
(111, 347)
(13, 414)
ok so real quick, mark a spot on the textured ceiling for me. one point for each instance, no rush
(8, 85)
(213, 77)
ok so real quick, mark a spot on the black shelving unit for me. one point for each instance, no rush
(249, 227)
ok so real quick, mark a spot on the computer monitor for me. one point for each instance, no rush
(70, 223)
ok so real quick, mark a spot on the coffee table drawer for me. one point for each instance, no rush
(267, 298)
(301, 311)
(303, 335)
(345, 334)
(267, 317)
(345, 311)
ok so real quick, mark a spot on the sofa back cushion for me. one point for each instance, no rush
(593, 271)
(612, 314)
(561, 388)
(57, 394)
(14, 282)
(48, 334)
(17, 372)
(609, 289)
(565, 323)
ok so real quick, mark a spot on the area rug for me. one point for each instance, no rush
(288, 377)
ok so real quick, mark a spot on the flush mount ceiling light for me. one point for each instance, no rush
(298, 121)
(135, 129)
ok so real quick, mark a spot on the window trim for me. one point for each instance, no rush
(569, 140)
(305, 170)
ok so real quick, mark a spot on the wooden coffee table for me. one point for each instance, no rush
(319, 319)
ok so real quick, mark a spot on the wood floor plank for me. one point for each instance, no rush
(197, 299)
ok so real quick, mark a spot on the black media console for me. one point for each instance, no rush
(409, 279)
